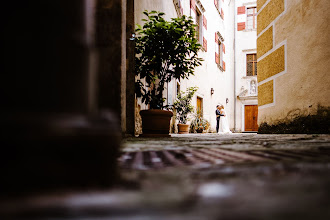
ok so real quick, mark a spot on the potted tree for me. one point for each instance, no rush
(183, 107)
(165, 50)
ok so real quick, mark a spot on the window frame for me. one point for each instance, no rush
(219, 7)
(219, 50)
(254, 64)
(254, 18)
(199, 23)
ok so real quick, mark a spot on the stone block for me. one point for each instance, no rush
(271, 65)
(265, 42)
(272, 10)
(265, 93)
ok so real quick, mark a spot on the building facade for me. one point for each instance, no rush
(246, 66)
(215, 77)
(293, 61)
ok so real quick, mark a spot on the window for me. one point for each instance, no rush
(251, 19)
(177, 88)
(197, 12)
(178, 7)
(251, 64)
(198, 27)
(218, 5)
(219, 51)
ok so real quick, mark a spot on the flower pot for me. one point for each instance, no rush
(183, 129)
(155, 123)
(199, 130)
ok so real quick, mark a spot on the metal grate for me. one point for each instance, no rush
(143, 160)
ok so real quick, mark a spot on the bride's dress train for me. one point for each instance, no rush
(223, 125)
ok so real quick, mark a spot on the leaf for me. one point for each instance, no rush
(164, 50)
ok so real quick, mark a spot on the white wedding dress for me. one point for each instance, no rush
(223, 124)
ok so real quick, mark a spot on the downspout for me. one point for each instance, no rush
(235, 68)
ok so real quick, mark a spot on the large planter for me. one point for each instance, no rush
(155, 123)
(183, 129)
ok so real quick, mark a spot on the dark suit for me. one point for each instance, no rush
(218, 115)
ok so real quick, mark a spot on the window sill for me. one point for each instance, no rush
(249, 77)
(250, 30)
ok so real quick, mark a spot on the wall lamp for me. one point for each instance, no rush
(132, 37)
(212, 91)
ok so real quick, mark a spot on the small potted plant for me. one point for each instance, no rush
(165, 50)
(183, 107)
(199, 124)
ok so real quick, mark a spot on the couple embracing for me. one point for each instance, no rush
(222, 122)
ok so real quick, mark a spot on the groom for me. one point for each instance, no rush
(218, 114)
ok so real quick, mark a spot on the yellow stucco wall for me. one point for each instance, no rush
(271, 11)
(261, 3)
(265, 93)
(265, 42)
(304, 30)
(272, 64)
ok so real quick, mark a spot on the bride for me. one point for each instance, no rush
(224, 126)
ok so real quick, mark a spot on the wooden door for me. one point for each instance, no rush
(251, 118)
(200, 105)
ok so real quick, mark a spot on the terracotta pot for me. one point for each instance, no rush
(199, 130)
(183, 129)
(155, 122)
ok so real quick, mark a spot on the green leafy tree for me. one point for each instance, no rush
(183, 105)
(165, 50)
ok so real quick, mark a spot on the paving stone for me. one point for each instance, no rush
(296, 188)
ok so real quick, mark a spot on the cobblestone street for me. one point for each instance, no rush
(203, 176)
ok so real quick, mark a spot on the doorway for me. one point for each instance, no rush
(251, 118)
(200, 105)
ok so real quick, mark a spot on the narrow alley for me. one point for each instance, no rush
(203, 176)
(165, 110)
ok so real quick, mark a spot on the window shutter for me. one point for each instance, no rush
(224, 65)
(193, 5)
(216, 37)
(223, 48)
(204, 22)
(205, 44)
(241, 10)
(241, 26)
(216, 58)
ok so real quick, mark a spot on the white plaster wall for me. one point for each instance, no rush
(208, 75)
(168, 8)
(245, 44)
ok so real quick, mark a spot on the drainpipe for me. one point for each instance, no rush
(235, 68)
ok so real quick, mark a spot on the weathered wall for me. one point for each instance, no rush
(293, 59)
(54, 135)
